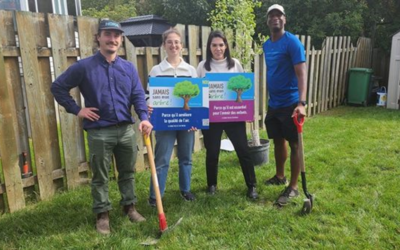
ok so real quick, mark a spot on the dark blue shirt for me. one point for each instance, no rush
(111, 87)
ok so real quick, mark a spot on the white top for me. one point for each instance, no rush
(165, 69)
(219, 66)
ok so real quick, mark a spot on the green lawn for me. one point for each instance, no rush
(352, 160)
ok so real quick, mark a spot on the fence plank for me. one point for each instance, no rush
(40, 101)
(333, 72)
(87, 28)
(62, 38)
(193, 33)
(324, 82)
(317, 83)
(346, 67)
(328, 73)
(341, 71)
(205, 32)
(131, 56)
(9, 75)
(263, 89)
(7, 37)
(308, 53)
(321, 84)
(149, 65)
(181, 28)
(310, 89)
(257, 83)
(337, 72)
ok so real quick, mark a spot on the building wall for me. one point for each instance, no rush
(63, 7)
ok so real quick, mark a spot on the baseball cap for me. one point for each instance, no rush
(276, 7)
(110, 25)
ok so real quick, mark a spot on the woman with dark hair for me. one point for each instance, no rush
(219, 60)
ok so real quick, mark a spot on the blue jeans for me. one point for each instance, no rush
(164, 145)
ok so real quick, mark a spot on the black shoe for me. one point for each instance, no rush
(152, 202)
(188, 196)
(212, 189)
(276, 181)
(252, 193)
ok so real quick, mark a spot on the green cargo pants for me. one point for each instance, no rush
(119, 140)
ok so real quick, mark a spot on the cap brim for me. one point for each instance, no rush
(278, 10)
(112, 28)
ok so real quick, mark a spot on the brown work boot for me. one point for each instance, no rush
(133, 215)
(103, 223)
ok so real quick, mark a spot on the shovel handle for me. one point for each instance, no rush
(299, 122)
(146, 140)
(161, 216)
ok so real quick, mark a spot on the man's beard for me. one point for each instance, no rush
(109, 51)
(276, 29)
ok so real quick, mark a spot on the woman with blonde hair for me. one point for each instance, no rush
(173, 66)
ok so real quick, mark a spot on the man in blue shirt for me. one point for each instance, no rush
(287, 87)
(110, 86)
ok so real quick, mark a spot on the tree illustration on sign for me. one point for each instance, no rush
(186, 90)
(239, 84)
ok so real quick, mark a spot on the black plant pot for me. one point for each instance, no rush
(259, 154)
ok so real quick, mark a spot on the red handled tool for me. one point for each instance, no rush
(160, 209)
(309, 201)
(161, 216)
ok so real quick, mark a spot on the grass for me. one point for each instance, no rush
(352, 159)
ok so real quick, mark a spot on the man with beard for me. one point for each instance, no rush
(110, 86)
(287, 87)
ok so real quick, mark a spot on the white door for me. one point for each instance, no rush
(394, 74)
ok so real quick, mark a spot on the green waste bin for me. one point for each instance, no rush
(360, 86)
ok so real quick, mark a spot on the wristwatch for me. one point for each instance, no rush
(303, 103)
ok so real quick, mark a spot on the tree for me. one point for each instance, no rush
(116, 10)
(178, 11)
(377, 19)
(186, 90)
(98, 4)
(317, 18)
(239, 84)
(381, 21)
(237, 16)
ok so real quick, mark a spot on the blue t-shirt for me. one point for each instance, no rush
(280, 57)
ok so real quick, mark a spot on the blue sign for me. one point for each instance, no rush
(178, 103)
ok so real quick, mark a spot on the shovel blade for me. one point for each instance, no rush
(308, 205)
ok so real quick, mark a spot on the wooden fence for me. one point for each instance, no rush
(35, 48)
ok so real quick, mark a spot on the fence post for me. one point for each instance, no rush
(9, 75)
(63, 38)
(40, 100)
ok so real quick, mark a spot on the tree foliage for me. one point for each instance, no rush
(178, 11)
(239, 84)
(238, 16)
(381, 21)
(186, 90)
(322, 18)
(116, 10)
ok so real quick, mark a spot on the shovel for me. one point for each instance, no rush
(309, 201)
(161, 216)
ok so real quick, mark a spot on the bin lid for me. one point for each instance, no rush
(366, 70)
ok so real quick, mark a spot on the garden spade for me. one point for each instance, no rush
(309, 201)
(161, 216)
